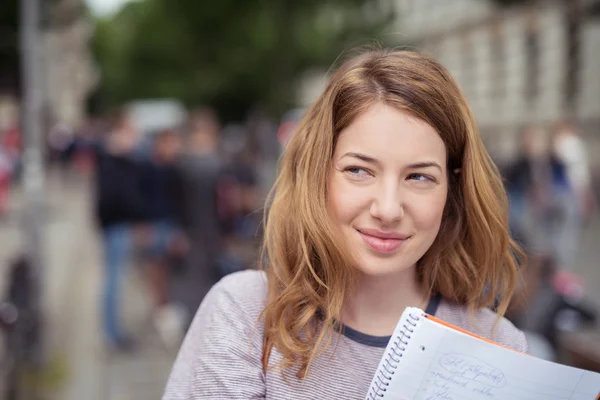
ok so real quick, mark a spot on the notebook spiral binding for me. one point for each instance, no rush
(392, 359)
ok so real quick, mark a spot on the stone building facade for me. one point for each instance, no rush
(535, 63)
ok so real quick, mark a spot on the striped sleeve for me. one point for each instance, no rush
(221, 355)
(521, 343)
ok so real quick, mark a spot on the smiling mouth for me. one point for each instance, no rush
(383, 243)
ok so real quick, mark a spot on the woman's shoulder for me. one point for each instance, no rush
(244, 290)
(483, 322)
(228, 315)
(224, 332)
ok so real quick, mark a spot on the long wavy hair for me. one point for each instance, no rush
(310, 271)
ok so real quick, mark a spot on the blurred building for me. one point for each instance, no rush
(518, 63)
(70, 72)
(68, 69)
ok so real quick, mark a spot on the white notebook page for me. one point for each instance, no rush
(440, 363)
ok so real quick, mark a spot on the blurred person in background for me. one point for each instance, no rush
(238, 199)
(577, 195)
(199, 171)
(264, 130)
(527, 181)
(11, 144)
(543, 209)
(5, 181)
(119, 208)
(61, 139)
(10, 163)
(570, 148)
(164, 242)
(80, 152)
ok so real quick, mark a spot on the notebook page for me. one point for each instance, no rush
(407, 327)
(443, 364)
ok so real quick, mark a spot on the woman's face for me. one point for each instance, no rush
(387, 189)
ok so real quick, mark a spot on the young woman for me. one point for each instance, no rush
(386, 198)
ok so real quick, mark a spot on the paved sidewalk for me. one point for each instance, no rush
(61, 247)
(587, 263)
(73, 274)
(95, 373)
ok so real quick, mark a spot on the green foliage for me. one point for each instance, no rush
(229, 53)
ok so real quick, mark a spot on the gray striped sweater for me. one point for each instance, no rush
(221, 355)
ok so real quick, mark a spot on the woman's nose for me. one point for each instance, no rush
(387, 203)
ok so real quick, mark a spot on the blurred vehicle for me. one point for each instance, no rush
(149, 116)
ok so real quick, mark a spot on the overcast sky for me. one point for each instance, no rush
(105, 7)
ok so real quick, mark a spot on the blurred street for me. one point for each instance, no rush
(158, 125)
(73, 281)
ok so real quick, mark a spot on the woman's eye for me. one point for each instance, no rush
(421, 178)
(357, 171)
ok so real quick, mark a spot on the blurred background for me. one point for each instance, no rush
(138, 140)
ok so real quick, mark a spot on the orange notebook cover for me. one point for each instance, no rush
(430, 359)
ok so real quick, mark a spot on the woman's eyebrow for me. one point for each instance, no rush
(425, 164)
(362, 157)
(369, 159)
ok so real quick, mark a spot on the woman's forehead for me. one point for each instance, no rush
(391, 135)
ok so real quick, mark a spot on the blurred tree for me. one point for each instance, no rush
(511, 2)
(228, 53)
(9, 47)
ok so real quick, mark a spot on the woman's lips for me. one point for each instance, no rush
(382, 242)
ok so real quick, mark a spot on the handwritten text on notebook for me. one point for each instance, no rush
(434, 361)
(472, 369)
(460, 374)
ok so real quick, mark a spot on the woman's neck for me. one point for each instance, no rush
(378, 302)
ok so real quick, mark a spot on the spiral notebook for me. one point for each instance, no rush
(428, 359)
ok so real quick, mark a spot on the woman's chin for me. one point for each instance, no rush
(371, 267)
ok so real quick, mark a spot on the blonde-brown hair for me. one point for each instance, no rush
(310, 272)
